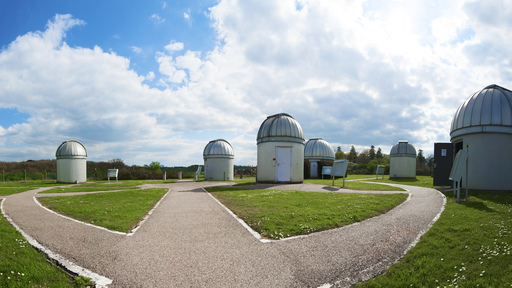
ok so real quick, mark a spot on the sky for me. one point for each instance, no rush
(146, 81)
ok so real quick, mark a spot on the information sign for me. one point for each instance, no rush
(112, 173)
(380, 170)
(339, 168)
(326, 170)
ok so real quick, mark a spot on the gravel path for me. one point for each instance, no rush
(191, 241)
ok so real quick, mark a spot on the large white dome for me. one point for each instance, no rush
(71, 149)
(486, 111)
(317, 148)
(218, 148)
(280, 128)
(402, 149)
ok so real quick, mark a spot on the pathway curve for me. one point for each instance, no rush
(192, 241)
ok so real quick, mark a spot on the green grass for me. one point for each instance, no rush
(120, 211)
(10, 191)
(21, 265)
(279, 214)
(422, 181)
(70, 189)
(354, 185)
(35, 183)
(469, 246)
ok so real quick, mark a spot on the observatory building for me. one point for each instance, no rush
(483, 126)
(280, 144)
(317, 153)
(71, 162)
(218, 158)
(402, 161)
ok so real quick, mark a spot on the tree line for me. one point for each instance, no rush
(47, 170)
(366, 161)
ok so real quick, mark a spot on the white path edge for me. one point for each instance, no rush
(101, 281)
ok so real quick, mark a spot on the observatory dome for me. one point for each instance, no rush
(280, 128)
(218, 148)
(71, 149)
(403, 149)
(317, 148)
(486, 111)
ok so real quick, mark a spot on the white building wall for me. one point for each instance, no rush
(218, 168)
(402, 167)
(266, 170)
(489, 161)
(72, 170)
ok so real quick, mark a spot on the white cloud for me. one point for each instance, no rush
(174, 46)
(157, 19)
(150, 76)
(136, 49)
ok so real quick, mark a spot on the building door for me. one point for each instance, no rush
(284, 164)
(314, 169)
(443, 161)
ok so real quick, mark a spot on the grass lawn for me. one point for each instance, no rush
(9, 191)
(279, 214)
(69, 189)
(21, 265)
(421, 181)
(35, 183)
(354, 185)
(120, 211)
(469, 246)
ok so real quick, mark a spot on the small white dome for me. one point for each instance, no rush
(317, 148)
(488, 110)
(402, 149)
(71, 149)
(218, 148)
(280, 128)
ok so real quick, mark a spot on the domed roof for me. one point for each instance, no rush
(317, 148)
(403, 149)
(71, 149)
(488, 110)
(280, 128)
(218, 148)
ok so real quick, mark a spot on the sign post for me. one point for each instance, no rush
(326, 170)
(339, 168)
(112, 173)
(380, 170)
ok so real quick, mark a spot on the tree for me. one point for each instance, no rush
(339, 155)
(155, 166)
(379, 155)
(421, 158)
(338, 149)
(352, 155)
(372, 152)
(364, 157)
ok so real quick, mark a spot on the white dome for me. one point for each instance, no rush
(403, 149)
(71, 149)
(486, 111)
(280, 128)
(317, 148)
(218, 148)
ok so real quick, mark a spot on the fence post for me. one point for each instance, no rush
(165, 175)
(25, 170)
(3, 176)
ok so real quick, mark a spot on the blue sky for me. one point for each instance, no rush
(157, 80)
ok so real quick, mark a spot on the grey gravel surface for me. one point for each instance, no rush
(191, 241)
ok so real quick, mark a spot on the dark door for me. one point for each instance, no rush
(443, 161)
